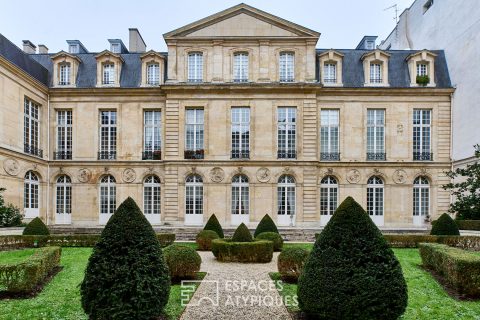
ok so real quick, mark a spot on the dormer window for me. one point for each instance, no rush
(109, 69)
(240, 67)
(108, 74)
(65, 68)
(153, 64)
(330, 63)
(195, 67)
(375, 68)
(287, 67)
(330, 72)
(153, 74)
(421, 66)
(73, 48)
(422, 69)
(375, 73)
(65, 74)
(115, 47)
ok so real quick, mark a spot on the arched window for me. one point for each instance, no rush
(328, 195)
(286, 195)
(108, 195)
(240, 195)
(64, 195)
(375, 196)
(31, 192)
(421, 197)
(151, 195)
(194, 195)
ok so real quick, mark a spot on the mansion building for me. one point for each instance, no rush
(242, 117)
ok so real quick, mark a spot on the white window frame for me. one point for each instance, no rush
(152, 131)
(195, 126)
(64, 134)
(153, 74)
(108, 134)
(376, 199)
(422, 69)
(375, 132)
(194, 193)
(240, 132)
(330, 134)
(240, 191)
(328, 198)
(330, 72)
(108, 74)
(115, 48)
(64, 76)
(286, 192)
(63, 200)
(422, 134)
(152, 199)
(240, 67)
(376, 72)
(287, 132)
(31, 131)
(421, 200)
(107, 195)
(73, 48)
(31, 195)
(286, 67)
(195, 67)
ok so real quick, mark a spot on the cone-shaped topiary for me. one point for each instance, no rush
(351, 272)
(444, 226)
(214, 225)
(126, 276)
(36, 227)
(242, 234)
(265, 225)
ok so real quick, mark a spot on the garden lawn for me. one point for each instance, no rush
(426, 297)
(60, 299)
(9, 257)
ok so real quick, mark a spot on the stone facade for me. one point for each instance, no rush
(218, 38)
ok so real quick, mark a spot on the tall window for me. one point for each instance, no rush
(64, 135)
(31, 129)
(108, 135)
(286, 133)
(286, 195)
(330, 72)
(375, 73)
(376, 134)
(240, 133)
(30, 195)
(64, 195)
(109, 73)
(287, 67)
(64, 79)
(240, 67)
(328, 195)
(240, 195)
(151, 195)
(194, 194)
(194, 134)
(422, 69)
(421, 135)
(329, 135)
(421, 197)
(153, 74)
(195, 67)
(375, 196)
(152, 144)
(108, 195)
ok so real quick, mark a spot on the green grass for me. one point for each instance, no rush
(60, 299)
(426, 297)
(10, 257)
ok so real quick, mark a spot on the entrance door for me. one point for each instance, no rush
(194, 200)
(286, 201)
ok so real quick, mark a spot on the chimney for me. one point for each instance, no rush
(135, 41)
(29, 47)
(42, 49)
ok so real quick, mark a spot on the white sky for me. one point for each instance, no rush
(342, 23)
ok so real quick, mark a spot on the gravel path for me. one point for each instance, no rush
(245, 291)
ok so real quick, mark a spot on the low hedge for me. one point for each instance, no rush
(460, 268)
(226, 250)
(204, 239)
(183, 262)
(468, 224)
(26, 275)
(80, 240)
(290, 263)
(276, 238)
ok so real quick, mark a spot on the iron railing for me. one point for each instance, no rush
(107, 155)
(193, 154)
(240, 154)
(34, 151)
(286, 154)
(62, 155)
(376, 156)
(152, 155)
(330, 156)
(422, 156)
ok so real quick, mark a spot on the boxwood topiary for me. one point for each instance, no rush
(126, 276)
(226, 250)
(183, 262)
(352, 273)
(214, 225)
(291, 262)
(204, 239)
(444, 226)
(242, 234)
(274, 237)
(265, 225)
(36, 227)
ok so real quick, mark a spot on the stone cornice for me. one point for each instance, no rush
(24, 75)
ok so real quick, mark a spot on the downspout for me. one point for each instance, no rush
(451, 138)
(48, 162)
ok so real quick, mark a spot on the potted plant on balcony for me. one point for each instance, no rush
(423, 80)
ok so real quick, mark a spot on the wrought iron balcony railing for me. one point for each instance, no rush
(62, 155)
(423, 156)
(286, 154)
(376, 156)
(240, 154)
(107, 155)
(34, 151)
(330, 156)
(287, 80)
(193, 154)
(152, 155)
(195, 80)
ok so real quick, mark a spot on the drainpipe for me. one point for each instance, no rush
(48, 162)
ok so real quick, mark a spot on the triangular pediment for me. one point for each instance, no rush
(242, 21)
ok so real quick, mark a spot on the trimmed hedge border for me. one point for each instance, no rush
(26, 275)
(468, 224)
(226, 250)
(81, 240)
(460, 268)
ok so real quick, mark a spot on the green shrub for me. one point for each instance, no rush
(10, 215)
(26, 275)
(36, 227)
(204, 239)
(468, 224)
(444, 226)
(242, 234)
(423, 80)
(351, 272)
(291, 262)
(265, 225)
(214, 225)
(126, 276)
(460, 268)
(183, 261)
(274, 237)
(165, 239)
(226, 250)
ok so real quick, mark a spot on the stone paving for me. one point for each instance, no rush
(236, 291)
